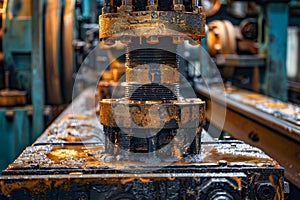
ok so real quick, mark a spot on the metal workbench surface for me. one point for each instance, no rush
(69, 162)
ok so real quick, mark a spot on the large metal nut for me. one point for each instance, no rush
(221, 196)
(221, 188)
(178, 40)
(265, 191)
(126, 114)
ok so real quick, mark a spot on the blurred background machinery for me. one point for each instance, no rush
(42, 48)
(255, 45)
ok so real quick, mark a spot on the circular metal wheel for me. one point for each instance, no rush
(216, 37)
(53, 72)
(231, 35)
(221, 38)
(249, 29)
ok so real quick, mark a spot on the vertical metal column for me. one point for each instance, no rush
(277, 18)
(89, 10)
(86, 9)
(37, 67)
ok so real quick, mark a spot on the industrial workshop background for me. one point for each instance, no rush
(244, 81)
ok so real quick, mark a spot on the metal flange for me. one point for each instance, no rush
(152, 23)
(133, 114)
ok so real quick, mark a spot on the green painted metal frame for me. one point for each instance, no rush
(24, 56)
(274, 22)
(15, 134)
(86, 9)
(277, 19)
(17, 128)
(37, 64)
(17, 44)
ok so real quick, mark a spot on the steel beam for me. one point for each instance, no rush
(277, 18)
(280, 139)
(37, 65)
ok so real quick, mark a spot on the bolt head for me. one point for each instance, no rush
(178, 40)
(265, 191)
(109, 41)
(152, 40)
(126, 40)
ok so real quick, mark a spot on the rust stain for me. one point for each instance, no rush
(128, 180)
(239, 182)
(145, 180)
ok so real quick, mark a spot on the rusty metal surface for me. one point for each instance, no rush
(285, 111)
(274, 133)
(12, 97)
(73, 158)
(66, 172)
(92, 158)
(69, 162)
(153, 120)
(136, 122)
(71, 170)
(178, 112)
(82, 111)
(221, 38)
(152, 23)
(140, 187)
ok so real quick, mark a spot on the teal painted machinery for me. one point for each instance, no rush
(256, 47)
(249, 41)
(41, 59)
